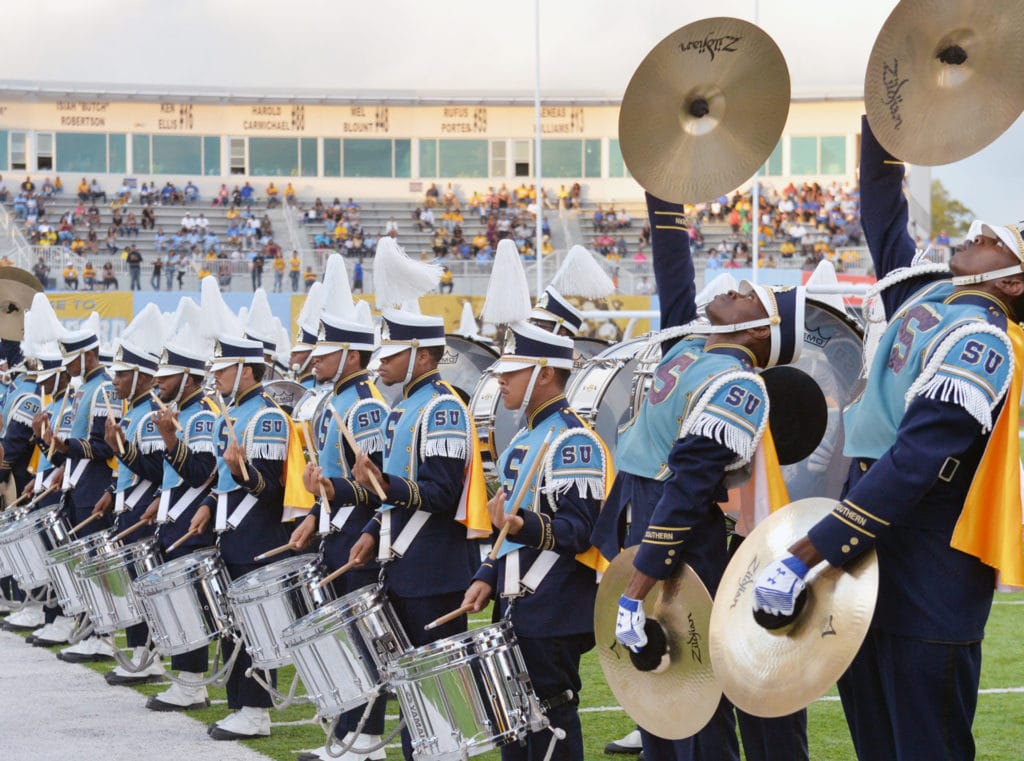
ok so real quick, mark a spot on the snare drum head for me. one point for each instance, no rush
(271, 579)
(204, 562)
(832, 357)
(307, 405)
(285, 392)
(601, 391)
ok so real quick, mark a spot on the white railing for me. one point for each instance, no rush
(14, 245)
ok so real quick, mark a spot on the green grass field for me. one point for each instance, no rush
(999, 733)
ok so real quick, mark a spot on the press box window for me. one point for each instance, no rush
(18, 150)
(44, 151)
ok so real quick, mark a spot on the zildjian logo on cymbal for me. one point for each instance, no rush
(711, 45)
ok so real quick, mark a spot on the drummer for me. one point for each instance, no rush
(248, 507)
(262, 326)
(933, 485)
(429, 453)
(539, 582)
(189, 467)
(340, 358)
(137, 443)
(84, 453)
(701, 422)
(554, 313)
(300, 360)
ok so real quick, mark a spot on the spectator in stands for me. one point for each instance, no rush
(279, 266)
(289, 195)
(247, 194)
(96, 192)
(236, 197)
(89, 276)
(124, 193)
(447, 280)
(47, 190)
(42, 271)
(576, 196)
(942, 239)
(272, 196)
(148, 217)
(3, 190)
(28, 187)
(357, 276)
(70, 277)
(257, 270)
(309, 277)
(426, 219)
(146, 194)
(294, 268)
(83, 191)
(450, 200)
(168, 195)
(131, 226)
(77, 246)
(431, 197)
(134, 260)
(191, 192)
(157, 275)
(109, 280)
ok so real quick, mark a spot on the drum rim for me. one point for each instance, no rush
(337, 611)
(245, 589)
(129, 554)
(180, 568)
(34, 519)
(469, 637)
(79, 546)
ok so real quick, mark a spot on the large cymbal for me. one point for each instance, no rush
(17, 287)
(678, 698)
(704, 110)
(944, 78)
(774, 673)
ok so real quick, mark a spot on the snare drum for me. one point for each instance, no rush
(27, 540)
(61, 563)
(8, 517)
(185, 601)
(265, 601)
(106, 583)
(341, 649)
(465, 694)
(285, 393)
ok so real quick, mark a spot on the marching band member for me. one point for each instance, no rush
(261, 325)
(701, 421)
(189, 467)
(300, 360)
(340, 358)
(579, 275)
(136, 441)
(537, 574)
(934, 484)
(248, 501)
(86, 457)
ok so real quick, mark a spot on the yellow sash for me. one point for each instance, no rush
(593, 558)
(472, 511)
(297, 499)
(764, 493)
(989, 527)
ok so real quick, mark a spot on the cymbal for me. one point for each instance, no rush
(679, 697)
(17, 287)
(774, 673)
(704, 110)
(943, 79)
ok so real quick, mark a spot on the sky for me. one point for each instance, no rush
(469, 47)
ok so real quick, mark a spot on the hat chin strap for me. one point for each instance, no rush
(238, 380)
(529, 390)
(181, 389)
(986, 276)
(135, 383)
(412, 362)
(341, 368)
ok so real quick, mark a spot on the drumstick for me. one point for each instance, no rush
(467, 608)
(311, 453)
(48, 490)
(276, 551)
(130, 529)
(231, 431)
(60, 414)
(160, 403)
(493, 554)
(354, 446)
(110, 414)
(188, 535)
(336, 573)
(86, 522)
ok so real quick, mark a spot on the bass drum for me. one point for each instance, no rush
(832, 357)
(286, 393)
(464, 361)
(607, 389)
(310, 410)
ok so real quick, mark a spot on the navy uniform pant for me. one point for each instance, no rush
(911, 700)
(244, 691)
(554, 667)
(416, 612)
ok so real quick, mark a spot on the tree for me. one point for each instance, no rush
(948, 213)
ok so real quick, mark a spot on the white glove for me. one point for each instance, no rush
(629, 624)
(778, 586)
(821, 458)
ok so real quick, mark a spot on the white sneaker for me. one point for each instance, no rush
(88, 649)
(6, 606)
(154, 672)
(246, 722)
(57, 632)
(180, 697)
(630, 744)
(31, 616)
